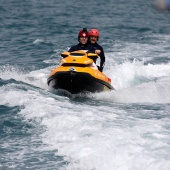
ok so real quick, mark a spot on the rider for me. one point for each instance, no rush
(93, 38)
(83, 42)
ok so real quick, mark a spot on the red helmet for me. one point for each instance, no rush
(94, 32)
(83, 33)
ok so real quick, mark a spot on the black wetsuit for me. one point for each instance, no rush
(82, 47)
(102, 56)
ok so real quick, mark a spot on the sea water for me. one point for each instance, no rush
(125, 129)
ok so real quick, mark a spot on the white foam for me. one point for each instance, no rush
(151, 92)
(99, 137)
(37, 41)
(36, 78)
(132, 73)
(90, 137)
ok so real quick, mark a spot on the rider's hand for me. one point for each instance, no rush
(97, 51)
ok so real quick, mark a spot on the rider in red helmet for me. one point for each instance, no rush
(93, 38)
(83, 42)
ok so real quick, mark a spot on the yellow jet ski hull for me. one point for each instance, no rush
(78, 73)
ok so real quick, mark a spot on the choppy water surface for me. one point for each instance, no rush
(125, 129)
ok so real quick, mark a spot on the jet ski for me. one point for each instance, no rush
(78, 73)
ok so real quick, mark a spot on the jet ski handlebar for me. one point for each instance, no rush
(90, 54)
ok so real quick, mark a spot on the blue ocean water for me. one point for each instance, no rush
(125, 129)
